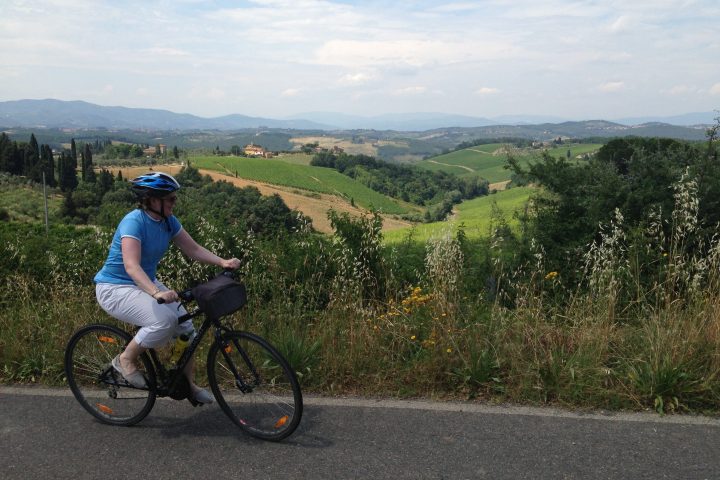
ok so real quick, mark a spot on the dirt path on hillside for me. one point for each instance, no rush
(451, 165)
(315, 206)
(499, 185)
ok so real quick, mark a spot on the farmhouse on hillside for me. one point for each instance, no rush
(254, 150)
(151, 151)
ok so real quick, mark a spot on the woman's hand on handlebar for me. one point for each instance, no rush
(230, 263)
(166, 296)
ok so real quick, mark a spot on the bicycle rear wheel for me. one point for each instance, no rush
(97, 386)
(254, 385)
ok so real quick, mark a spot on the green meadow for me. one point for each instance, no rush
(476, 216)
(488, 161)
(299, 175)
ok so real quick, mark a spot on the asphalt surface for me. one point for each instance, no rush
(44, 433)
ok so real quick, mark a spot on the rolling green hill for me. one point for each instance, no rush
(314, 179)
(488, 161)
(475, 215)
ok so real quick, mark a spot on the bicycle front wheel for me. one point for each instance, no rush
(97, 386)
(254, 385)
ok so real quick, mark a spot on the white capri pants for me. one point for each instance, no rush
(158, 322)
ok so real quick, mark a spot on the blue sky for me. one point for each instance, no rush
(576, 59)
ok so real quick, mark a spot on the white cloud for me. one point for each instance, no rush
(416, 90)
(349, 56)
(413, 52)
(354, 79)
(622, 24)
(611, 87)
(166, 51)
(679, 90)
(205, 93)
(486, 91)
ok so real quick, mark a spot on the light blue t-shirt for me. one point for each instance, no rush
(154, 239)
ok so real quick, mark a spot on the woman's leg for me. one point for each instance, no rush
(130, 304)
(129, 357)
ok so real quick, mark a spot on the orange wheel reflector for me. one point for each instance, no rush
(104, 408)
(107, 339)
(281, 422)
(228, 349)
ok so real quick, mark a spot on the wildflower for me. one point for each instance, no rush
(551, 275)
(412, 338)
(449, 350)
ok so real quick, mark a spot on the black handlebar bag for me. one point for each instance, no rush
(220, 296)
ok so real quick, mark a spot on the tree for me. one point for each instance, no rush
(47, 164)
(73, 153)
(88, 173)
(105, 182)
(67, 176)
(31, 160)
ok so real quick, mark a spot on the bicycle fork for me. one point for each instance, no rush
(239, 382)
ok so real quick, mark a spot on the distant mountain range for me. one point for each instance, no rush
(78, 114)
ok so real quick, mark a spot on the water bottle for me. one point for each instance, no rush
(179, 347)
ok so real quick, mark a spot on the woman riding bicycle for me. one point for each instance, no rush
(126, 286)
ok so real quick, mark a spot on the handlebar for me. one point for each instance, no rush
(187, 295)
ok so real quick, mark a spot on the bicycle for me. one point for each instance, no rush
(251, 381)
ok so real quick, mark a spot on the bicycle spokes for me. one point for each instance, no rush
(254, 385)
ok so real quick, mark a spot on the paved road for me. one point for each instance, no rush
(46, 434)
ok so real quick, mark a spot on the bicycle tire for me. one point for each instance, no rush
(270, 407)
(97, 386)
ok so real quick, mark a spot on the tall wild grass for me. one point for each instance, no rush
(455, 320)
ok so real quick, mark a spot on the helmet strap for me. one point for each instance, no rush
(161, 212)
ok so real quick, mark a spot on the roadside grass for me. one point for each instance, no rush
(484, 331)
(314, 179)
(476, 217)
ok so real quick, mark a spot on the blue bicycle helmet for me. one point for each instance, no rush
(154, 184)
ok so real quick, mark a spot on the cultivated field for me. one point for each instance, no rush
(313, 179)
(314, 205)
(369, 147)
(475, 215)
(489, 161)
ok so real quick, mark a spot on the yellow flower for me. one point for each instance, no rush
(551, 275)
(449, 350)
(412, 338)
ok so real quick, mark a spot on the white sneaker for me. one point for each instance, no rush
(135, 378)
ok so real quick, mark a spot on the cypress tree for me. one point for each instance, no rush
(47, 165)
(68, 174)
(31, 160)
(4, 152)
(73, 153)
(88, 171)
